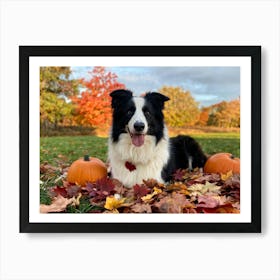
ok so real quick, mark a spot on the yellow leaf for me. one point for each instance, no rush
(185, 192)
(226, 176)
(150, 196)
(157, 190)
(76, 201)
(113, 202)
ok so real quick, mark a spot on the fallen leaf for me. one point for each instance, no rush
(141, 208)
(228, 209)
(226, 176)
(101, 189)
(47, 168)
(113, 211)
(119, 187)
(151, 183)
(55, 191)
(148, 197)
(105, 185)
(179, 174)
(113, 203)
(236, 205)
(199, 189)
(209, 201)
(59, 204)
(172, 204)
(222, 209)
(140, 190)
(205, 177)
(76, 201)
(73, 190)
(179, 187)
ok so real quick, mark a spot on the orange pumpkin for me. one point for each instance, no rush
(87, 169)
(222, 163)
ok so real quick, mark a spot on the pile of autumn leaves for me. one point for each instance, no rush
(188, 192)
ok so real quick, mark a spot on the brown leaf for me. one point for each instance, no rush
(47, 168)
(141, 208)
(180, 174)
(172, 204)
(205, 177)
(59, 204)
(179, 187)
(211, 201)
(119, 187)
(227, 209)
(55, 191)
(73, 190)
(152, 183)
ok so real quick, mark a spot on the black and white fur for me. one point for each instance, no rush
(139, 137)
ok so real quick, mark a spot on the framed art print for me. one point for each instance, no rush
(140, 138)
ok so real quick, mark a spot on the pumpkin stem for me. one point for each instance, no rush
(86, 158)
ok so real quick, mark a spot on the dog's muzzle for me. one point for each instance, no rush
(137, 135)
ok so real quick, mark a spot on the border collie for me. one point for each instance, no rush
(139, 146)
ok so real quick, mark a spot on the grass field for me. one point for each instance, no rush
(66, 149)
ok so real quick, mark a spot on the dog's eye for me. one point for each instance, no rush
(129, 113)
(147, 113)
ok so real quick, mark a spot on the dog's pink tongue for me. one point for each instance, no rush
(138, 139)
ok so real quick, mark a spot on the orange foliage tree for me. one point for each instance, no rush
(225, 114)
(94, 104)
(204, 116)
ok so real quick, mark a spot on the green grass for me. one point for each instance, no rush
(66, 149)
(213, 143)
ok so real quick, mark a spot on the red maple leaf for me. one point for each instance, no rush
(59, 191)
(105, 185)
(100, 189)
(140, 190)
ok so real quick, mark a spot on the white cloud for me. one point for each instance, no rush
(208, 85)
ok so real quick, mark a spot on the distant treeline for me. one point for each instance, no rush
(67, 102)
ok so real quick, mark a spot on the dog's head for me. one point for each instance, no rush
(137, 116)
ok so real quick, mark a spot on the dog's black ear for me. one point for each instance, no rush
(157, 98)
(119, 95)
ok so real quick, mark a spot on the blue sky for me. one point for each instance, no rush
(208, 85)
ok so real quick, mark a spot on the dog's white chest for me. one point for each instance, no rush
(131, 165)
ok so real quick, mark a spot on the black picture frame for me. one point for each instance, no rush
(254, 52)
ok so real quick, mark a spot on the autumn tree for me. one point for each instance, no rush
(181, 109)
(203, 116)
(54, 111)
(55, 87)
(225, 114)
(94, 103)
(57, 80)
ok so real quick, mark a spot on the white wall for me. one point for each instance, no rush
(138, 256)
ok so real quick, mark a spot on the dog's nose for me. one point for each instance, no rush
(139, 126)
